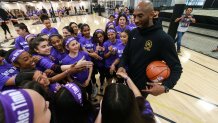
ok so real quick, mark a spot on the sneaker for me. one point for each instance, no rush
(94, 91)
(216, 50)
(178, 51)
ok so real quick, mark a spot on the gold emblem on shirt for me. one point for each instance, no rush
(148, 45)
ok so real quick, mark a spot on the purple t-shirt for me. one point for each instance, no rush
(81, 77)
(29, 14)
(46, 62)
(50, 31)
(79, 35)
(112, 58)
(35, 12)
(38, 12)
(87, 43)
(116, 15)
(20, 43)
(119, 30)
(58, 55)
(6, 72)
(128, 19)
(132, 26)
(120, 49)
(100, 63)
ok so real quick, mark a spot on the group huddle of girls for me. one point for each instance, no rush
(61, 70)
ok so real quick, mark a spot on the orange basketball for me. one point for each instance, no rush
(157, 71)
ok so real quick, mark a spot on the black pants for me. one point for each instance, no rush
(6, 29)
(89, 90)
(94, 71)
(101, 71)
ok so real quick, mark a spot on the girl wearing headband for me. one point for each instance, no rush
(109, 26)
(7, 71)
(111, 20)
(23, 105)
(25, 62)
(110, 54)
(122, 24)
(99, 37)
(58, 50)
(72, 105)
(47, 93)
(74, 56)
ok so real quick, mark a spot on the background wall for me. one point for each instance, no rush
(46, 5)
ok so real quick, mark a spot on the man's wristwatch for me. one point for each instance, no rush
(166, 89)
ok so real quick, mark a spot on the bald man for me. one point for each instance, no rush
(147, 43)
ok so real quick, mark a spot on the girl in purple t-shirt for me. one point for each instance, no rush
(40, 47)
(132, 23)
(122, 24)
(124, 38)
(76, 32)
(73, 57)
(110, 53)
(86, 41)
(99, 38)
(22, 31)
(7, 71)
(89, 46)
(26, 63)
(48, 29)
(57, 51)
(111, 20)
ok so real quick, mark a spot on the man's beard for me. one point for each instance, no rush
(144, 24)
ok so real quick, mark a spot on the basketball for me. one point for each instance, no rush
(157, 71)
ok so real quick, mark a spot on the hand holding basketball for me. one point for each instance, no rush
(154, 89)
